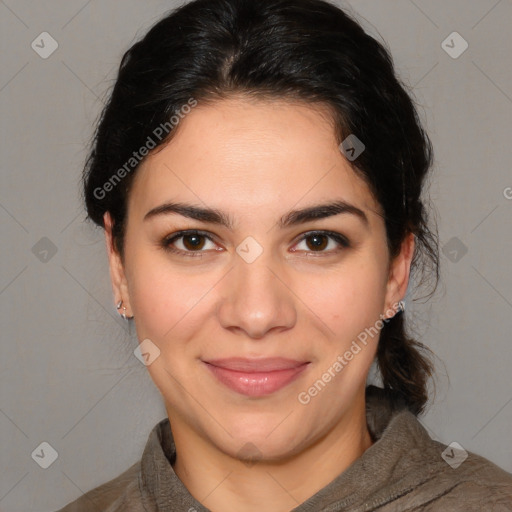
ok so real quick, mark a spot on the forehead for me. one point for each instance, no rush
(251, 155)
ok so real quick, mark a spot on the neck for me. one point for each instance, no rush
(223, 483)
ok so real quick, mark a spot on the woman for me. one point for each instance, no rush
(258, 172)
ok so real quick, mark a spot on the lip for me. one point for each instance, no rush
(256, 377)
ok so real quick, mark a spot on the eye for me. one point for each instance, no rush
(194, 242)
(319, 241)
(188, 243)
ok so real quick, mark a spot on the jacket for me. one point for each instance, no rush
(404, 470)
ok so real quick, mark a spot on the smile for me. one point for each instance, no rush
(256, 377)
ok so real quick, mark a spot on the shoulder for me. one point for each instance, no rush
(111, 496)
(451, 478)
(424, 474)
(468, 479)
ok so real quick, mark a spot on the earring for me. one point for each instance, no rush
(123, 314)
(401, 309)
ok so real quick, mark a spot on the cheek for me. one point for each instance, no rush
(348, 300)
(167, 300)
(156, 295)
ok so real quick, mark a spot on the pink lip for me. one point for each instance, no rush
(256, 377)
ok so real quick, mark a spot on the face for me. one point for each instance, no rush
(258, 279)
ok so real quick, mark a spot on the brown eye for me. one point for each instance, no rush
(188, 243)
(193, 242)
(317, 242)
(322, 240)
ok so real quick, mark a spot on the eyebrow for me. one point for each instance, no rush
(292, 218)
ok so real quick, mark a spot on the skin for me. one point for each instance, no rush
(257, 160)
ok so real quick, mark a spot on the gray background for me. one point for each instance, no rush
(68, 375)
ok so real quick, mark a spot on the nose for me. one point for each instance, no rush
(256, 299)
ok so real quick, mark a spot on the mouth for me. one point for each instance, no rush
(256, 377)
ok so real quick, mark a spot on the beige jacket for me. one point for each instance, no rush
(404, 470)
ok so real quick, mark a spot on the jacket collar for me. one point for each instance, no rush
(380, 473)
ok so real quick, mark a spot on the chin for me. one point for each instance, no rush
(270, 440)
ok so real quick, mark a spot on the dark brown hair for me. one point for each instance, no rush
(307, 50)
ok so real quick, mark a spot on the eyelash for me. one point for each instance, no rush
(167, 241)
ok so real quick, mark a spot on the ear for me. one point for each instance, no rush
(399, 271)
(117, 274)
